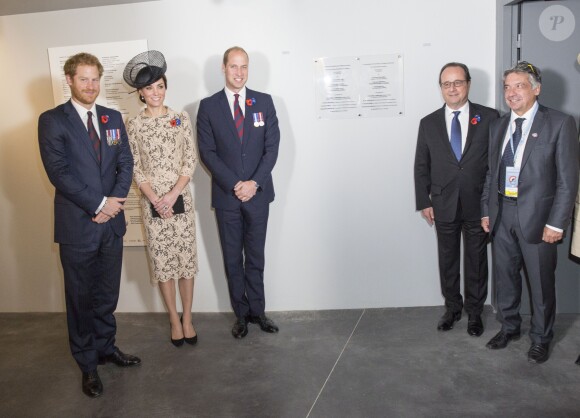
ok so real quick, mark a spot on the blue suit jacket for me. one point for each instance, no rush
(230, 160)
(80, 181)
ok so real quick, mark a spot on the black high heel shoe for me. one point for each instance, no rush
(191, 340)
(178, 342)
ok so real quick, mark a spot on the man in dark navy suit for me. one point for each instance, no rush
(450, 168)
(238, 142)
(86, 155)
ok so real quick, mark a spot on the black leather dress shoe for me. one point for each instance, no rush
(475, 325)
(539, 353)
(120, 359)
(92, 385)
(578, 361)
(501, 340)
(447, 320)
(265, 323)
(240, 328)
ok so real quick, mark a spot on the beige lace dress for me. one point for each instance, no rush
(163, 149)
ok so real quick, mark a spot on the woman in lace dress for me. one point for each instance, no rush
(165, 157)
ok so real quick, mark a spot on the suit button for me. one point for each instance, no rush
(243, 155)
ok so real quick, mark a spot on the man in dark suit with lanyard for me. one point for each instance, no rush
(450, 168)
(87, 158)
(238, 138)
(527, 204)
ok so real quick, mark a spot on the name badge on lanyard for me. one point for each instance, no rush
(512, 175)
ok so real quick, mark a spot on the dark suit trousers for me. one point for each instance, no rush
(243, 239)
(474, 263)
(510, 253)
(92, 276)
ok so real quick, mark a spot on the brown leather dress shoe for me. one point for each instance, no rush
(92, 385)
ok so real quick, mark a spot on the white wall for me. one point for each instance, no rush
(343, 231)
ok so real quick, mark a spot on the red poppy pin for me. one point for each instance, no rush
(175, 122)
(104, 118)
(475, 120)
(250, 102)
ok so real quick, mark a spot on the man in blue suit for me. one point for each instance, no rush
(86, 156)
(238, 142)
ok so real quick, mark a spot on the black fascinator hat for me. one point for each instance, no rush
(144, 69)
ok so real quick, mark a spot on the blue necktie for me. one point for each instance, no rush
(456, 135)
(238, 117)
(507, 158)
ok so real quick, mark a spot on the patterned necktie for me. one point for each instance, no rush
(456, 135)
(508, 154)
(93, 135)
(238, 117)
(507, 158)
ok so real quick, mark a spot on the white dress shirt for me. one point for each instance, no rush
(241, 99)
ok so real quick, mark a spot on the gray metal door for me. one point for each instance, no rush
(550, 39)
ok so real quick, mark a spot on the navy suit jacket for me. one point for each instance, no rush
(230, 160)
(441, 180)
(548, 179)
(80, 181)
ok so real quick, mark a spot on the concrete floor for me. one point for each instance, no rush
(348, 363)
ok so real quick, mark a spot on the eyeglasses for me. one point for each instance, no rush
(456, 83)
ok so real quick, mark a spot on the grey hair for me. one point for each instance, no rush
(524, 67)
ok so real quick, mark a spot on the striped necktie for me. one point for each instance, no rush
(93, 135)
(238, 117)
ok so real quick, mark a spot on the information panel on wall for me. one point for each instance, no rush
(364, 86)
(114, 94)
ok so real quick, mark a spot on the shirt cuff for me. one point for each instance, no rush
(553, 228)
(103, 203)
